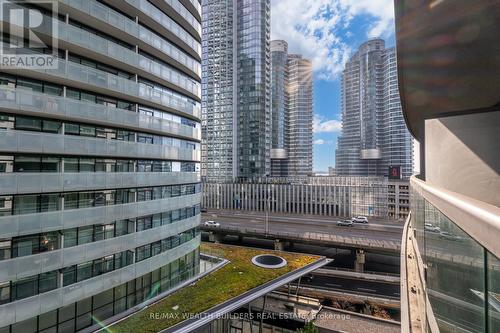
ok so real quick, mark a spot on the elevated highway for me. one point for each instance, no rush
(380, 235)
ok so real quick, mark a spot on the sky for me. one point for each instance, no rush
(328, 32)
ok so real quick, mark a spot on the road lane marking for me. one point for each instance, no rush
(333, 285)
(366, 289)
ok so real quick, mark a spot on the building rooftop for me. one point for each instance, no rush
(224, 290)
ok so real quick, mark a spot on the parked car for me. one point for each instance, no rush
(211, 224)
(449, 236)
(432, 228)
(345, 223)
(360, 219)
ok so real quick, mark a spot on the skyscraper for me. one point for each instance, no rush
(99, 160)
(279, 105)
(300, 116)
(236, 105)
(397, 141)
(374, 135)
(292, 112)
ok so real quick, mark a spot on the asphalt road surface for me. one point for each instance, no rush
(352, 285)
(377, 228)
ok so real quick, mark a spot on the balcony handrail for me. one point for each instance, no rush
(478, 219)
(405, 315)
(20, 98)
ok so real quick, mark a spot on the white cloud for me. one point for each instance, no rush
(326, 126)
(381, 10)
(319, 142)
(316, 28)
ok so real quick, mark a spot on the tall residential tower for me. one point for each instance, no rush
(374, 135)
(279, 108)
(236, 93)
(292, 112)
(300, 116)
(99, 160)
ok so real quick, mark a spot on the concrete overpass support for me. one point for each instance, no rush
(215, 238)
(279, 245)
(359, 262)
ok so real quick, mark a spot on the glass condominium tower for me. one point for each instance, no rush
(236, 104)
(99, 163)
(279, 105)
(374, 135)
(397, 141)
(300, 116)
(292, 112)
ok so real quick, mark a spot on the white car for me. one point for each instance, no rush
(360, 219)
(345, 223)
(211, 224)
(432, 228)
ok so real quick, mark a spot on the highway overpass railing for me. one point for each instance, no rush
(310, 237)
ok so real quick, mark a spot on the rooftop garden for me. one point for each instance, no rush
(233, 279)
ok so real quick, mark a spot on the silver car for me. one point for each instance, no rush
(345, 223)
(449, 236)
(432, 228)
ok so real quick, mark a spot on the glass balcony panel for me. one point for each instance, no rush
(102, 79)
(455, 272)
(493, 297)
(166, 22)
(88, 40)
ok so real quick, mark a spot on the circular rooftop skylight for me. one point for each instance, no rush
(269, 261)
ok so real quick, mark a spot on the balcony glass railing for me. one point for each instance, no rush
(45, 104)
(84, 74)
(112, 17)
(167, 22)
(85, 39)
(196, 5)
(179, 8)
(462, 276)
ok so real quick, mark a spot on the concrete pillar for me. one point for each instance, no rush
(215, 238)
(359, 262)
(279, 246)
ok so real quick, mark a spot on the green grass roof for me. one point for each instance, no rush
(233, 279)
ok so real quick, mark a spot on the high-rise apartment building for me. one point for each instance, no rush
(279, 105)
(236, 104)
(292, 112)
(99, 162)
(374, 135)
(300, 116)
(397, 142)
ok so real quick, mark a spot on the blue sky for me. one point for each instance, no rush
(328, 32)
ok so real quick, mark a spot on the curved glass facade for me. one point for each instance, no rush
(374, 135)
(99, 164)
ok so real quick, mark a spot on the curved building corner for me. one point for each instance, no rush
(99, 162)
